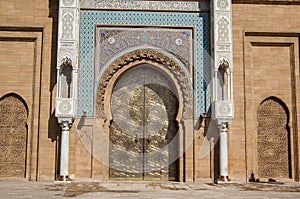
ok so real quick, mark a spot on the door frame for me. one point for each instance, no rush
(174, 70)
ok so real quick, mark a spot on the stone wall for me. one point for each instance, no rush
(27, 62)
(266, 64)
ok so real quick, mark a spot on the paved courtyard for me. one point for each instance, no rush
(157, 190)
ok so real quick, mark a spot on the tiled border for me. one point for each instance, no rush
(89, 20)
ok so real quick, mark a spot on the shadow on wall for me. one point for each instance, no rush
(211, 134)
(53, 127)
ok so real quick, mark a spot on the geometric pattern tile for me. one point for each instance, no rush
(115, 40)
(91, 18)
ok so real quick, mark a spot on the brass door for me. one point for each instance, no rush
(144, 145)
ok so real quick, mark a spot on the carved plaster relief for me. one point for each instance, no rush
(68, 2)
(223, 4)
(272, 139)
(13, 134)
(223, 30)
(68, 24)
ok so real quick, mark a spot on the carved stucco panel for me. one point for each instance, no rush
(272, 139)
(223, 4)
(68, 2)
(13, 132)
(223, 30)
(67, 24)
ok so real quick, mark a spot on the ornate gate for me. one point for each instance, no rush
(13, 136)
(273, 139)
(143, 133)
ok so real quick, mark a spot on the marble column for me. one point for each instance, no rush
(223, 153)
(64, 152)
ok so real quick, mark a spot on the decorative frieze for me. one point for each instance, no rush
(145, 5)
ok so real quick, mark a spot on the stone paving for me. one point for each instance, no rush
(145, 190)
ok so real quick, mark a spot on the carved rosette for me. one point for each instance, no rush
(152, 56)
(68, 2)
(223, 4)
(65, 107)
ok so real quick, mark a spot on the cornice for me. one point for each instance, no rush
(276, 2)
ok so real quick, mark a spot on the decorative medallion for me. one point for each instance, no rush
(223, 4)
(111, 40)
(68, 2)
(178, 42)
(224, 109)
(65, 107)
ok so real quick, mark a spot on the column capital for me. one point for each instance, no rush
(223, 126)
(66, 125)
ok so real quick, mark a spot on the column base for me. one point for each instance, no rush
(64, 178)
(222, 179)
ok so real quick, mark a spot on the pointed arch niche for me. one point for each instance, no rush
(13, 136)
(273, 139)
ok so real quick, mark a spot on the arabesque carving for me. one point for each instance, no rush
(150, 56)
(223, 30)
(13, 132)
(272, 139)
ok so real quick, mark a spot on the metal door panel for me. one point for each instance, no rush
(140, 148)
